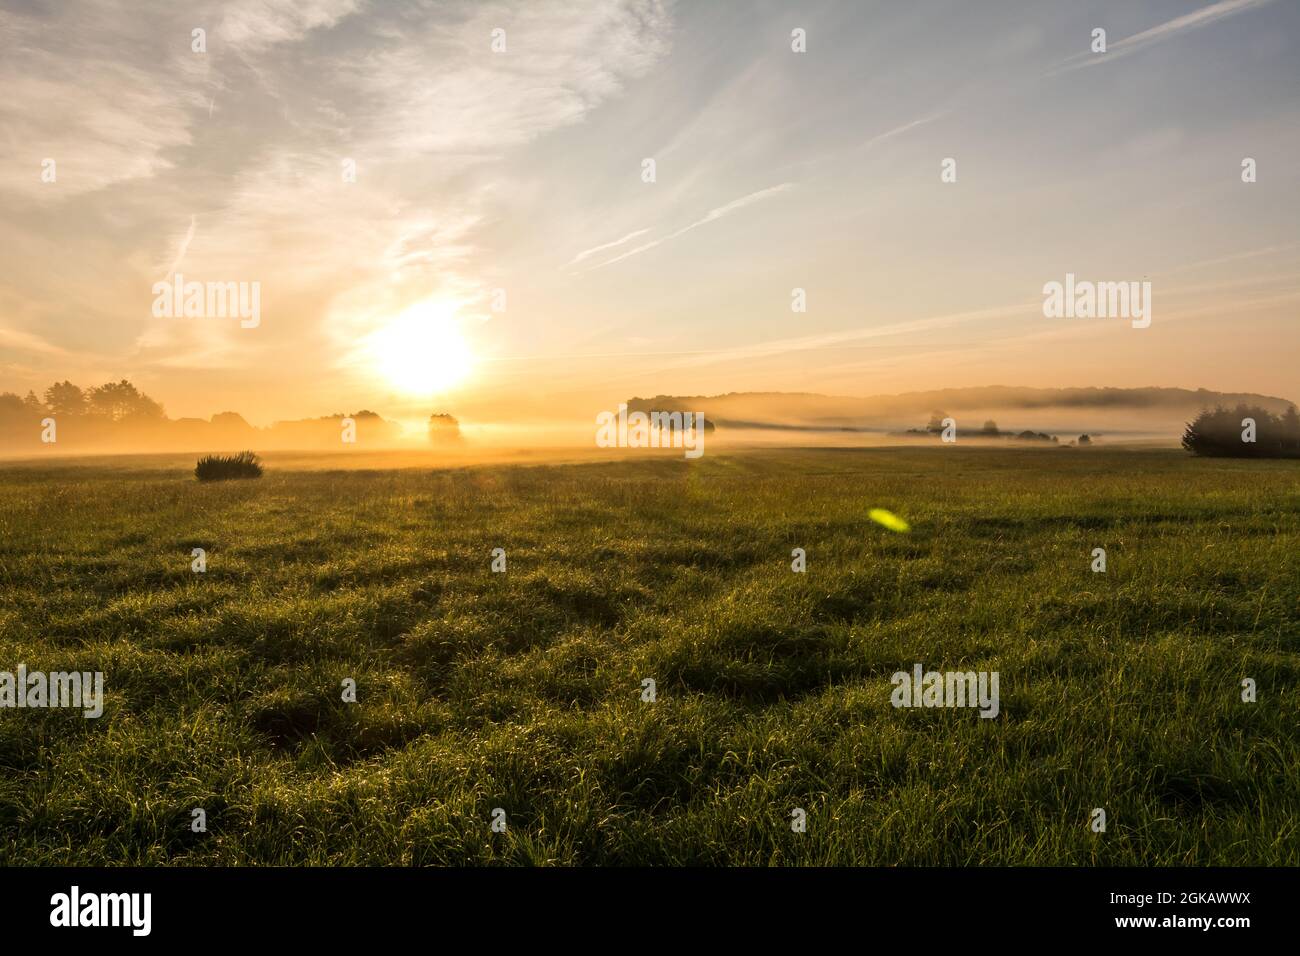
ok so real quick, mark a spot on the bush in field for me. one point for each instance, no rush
(1220, 433)
(221, 467)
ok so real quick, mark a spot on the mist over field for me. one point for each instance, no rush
(1145, 416)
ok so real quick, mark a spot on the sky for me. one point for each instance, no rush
(445, 206)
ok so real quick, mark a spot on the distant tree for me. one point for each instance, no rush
(990, 427)
(443, 428)
(64, 398)
(230, 420)
(122, 400)
(32, 402)
(1084, 439)
(12, 408)
(1028, 435)
(936, 421)
(1291, 430)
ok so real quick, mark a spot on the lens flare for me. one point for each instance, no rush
(889, 520)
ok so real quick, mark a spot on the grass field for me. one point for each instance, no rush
(478, 690)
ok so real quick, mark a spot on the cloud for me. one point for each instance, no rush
(899, 130)
(113, 92)
(830, 341)
(711, 216)
(1233, 257)
(587, 253)
(1139, 41)
(25, 341)
(423, 139)
(848, 337)
(85, 88)
(253, 25)
(184, 247)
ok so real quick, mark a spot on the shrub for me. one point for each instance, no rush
(221, 467)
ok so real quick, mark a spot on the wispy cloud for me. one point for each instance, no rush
(17, 339)
(100, 100)
(183, 248)
(253, 25)
(1157, 34)
(587, 253)
(899, 130)
(711, 216)
(853, 338)
(1233, 257)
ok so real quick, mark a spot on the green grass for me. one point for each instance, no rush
(522, 690)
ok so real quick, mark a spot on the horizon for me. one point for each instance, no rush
(117, 419)
(828, 210)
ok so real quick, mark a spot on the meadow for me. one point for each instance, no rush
(522, 690)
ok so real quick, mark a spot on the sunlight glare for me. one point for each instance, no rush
(422, 351)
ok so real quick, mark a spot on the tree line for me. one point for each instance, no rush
(1246, 431)
(112, 401)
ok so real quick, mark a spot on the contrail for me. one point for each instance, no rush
(185, 245)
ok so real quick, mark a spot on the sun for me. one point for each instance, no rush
(422, 351)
